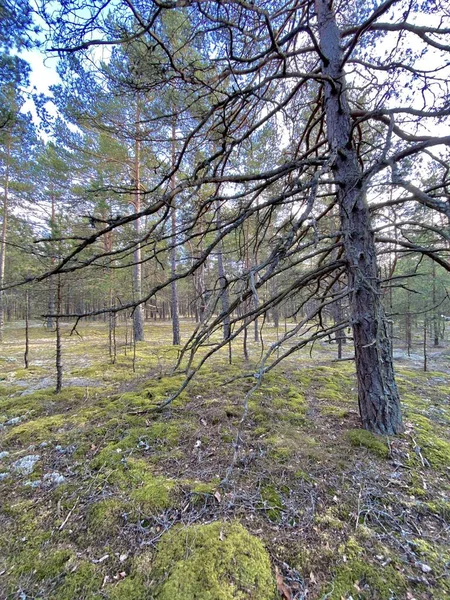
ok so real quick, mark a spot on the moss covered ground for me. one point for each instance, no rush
(104, 498)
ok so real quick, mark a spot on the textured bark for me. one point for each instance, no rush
(27, 329)
(435, 310)
(58, 362)
(224, 293)
(379, 402)
(173, 258)
(3, 239)
(138, 314)
(51, 288)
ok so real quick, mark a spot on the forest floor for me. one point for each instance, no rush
(93, 481)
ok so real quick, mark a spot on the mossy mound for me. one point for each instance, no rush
(359, 579)
(361, 437)
(218, 561)
(273, 502)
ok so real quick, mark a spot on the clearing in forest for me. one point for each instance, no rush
(104, 498)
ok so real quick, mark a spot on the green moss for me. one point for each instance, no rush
(84, 582)
(437, 557)
(272, 503)
(373, 583)
(218, 561)
(205, 487)
(280, 453)
(106, 516)
(158, 434)
(351, 549)
(334, 411)
(288, 442)
(43, 401)
(329, 521)
(52, 564)
(440, 508)
(32, 370)
(300, 474)
(37, 430)
(131, 588)
(155, 495)
(433, 447)
(361, 437)
(39, 564)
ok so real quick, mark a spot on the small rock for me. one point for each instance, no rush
(54, 478)
(3, 454)
(425, 568)
(100, 560)
(43, 444)
(68, 450)
(32, 484)
(3, 476)
(13, 421)
(25, 465)
(123, 557)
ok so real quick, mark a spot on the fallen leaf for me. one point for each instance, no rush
(281, 586)
(217, 496)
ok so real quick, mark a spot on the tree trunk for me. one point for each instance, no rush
(27, 328)
(435, 309)
(51, 289)
(58, 364)
(173, 256)
(138, 314)
(3, 239)
(408, 328)
(379, 402)
(224, 292)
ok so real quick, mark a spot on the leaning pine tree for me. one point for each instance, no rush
(379, 402)
(360, 113)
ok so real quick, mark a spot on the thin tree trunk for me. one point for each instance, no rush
(408, 329)
(425, 356)
(51, 289)
(27, 328)
(245, 348)
(173, 254)
(138, 314)
(379, 402)
(435, 310)
(224, 291)
(4, 233)
(59, 366)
